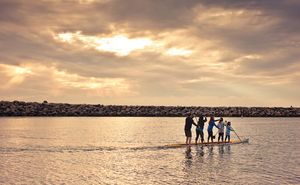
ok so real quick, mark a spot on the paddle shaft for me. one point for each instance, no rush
(236, 134)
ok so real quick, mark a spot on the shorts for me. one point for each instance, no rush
(199, 129)
(188, 133)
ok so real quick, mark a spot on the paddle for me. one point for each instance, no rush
(236, 134)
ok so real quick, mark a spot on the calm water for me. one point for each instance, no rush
(129, 151)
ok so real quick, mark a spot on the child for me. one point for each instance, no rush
(221, 130)
(228, 129)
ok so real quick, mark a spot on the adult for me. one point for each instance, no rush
(187, 128)
(210, 127)
(199, 129)
(221, 125)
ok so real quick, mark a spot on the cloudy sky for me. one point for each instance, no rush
(151, 52)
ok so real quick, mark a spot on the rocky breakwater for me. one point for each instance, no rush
(20, 108)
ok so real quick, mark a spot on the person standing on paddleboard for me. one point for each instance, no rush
(210, 127)
(221, 125)
(199, 129)
(188, 128)
(228, 129)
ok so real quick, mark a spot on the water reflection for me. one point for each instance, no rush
(221, 149)
(188, 153)
(224, 149)
(188, 160)
(199, 151)
(227, 149)
(210, 150)
(132, 151)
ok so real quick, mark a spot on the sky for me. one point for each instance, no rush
(151, 52)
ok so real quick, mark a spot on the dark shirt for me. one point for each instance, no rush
(201, 123)
(188, 123)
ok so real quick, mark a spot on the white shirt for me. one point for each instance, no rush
(228, 129)
(221, 127)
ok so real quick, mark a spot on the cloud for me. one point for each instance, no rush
(118, 44)
(163, 52)
(56, 83)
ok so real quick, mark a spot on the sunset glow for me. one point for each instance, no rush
(14, 74)
(215, 53)
(179, 52)
(119, 44)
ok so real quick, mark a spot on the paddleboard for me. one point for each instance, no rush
(209, 143)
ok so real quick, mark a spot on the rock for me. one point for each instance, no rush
(20, 108)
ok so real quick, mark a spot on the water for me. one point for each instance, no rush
(130, 151)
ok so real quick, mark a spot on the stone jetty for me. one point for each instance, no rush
(20, 108)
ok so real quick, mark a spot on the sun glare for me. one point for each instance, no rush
(121, 44)
(118, 44)
(12, 70)
(21, 71)
(15, 74)
(65, 37)
(179, 52)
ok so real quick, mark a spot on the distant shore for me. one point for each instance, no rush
(20, 108)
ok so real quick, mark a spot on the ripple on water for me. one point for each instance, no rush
(97, 151)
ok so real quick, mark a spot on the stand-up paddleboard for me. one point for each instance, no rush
(209, 143)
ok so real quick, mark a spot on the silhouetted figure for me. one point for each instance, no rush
(199, 129)
(187, 128)
(210, 127)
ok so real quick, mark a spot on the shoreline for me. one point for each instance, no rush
(45, 109)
